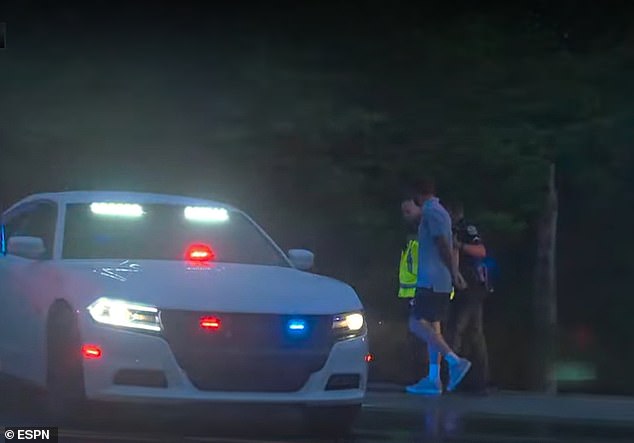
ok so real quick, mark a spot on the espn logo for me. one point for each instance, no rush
(49, 435)
(3, 35)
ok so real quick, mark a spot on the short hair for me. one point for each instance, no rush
(410, 194)
(416, 190)
(425, 186)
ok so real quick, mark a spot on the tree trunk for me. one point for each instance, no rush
(545, 297)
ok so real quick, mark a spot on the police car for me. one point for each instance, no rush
(138, 297)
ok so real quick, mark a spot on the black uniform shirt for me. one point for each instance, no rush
(470, 267)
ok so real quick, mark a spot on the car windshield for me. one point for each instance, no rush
(164, 232)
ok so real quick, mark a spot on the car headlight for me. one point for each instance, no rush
(125, 314)
(348, 325)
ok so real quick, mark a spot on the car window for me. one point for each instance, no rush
(33, 220)
(12, 221)
(163, 232)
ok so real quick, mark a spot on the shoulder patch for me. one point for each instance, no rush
(472, 230)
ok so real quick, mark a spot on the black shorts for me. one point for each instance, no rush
(431, 306)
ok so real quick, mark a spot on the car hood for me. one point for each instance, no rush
(219, 287)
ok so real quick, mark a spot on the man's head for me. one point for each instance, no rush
(411, 210)
(414, 197)
(456, 210)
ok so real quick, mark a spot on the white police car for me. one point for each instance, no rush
(152, 298)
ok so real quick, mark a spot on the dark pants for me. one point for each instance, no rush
(467, 336)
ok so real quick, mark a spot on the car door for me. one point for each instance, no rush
(23, 286)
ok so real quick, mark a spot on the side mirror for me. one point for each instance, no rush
(302, 259)
(28, 247)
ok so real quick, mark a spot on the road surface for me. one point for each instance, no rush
(386, 417)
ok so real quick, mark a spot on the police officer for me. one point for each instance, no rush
(467, 316)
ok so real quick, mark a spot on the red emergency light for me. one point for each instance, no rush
(200, 253)
(210, 323)
(91, 351)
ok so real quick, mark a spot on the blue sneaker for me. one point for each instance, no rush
(425, 387)
(457, 372)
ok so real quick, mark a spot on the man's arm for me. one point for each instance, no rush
(440, 230)
(450, 260)
(446, 254)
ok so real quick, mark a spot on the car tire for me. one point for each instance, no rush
(65, 372)
(331, 421)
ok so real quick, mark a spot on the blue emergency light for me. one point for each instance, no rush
(297, 327)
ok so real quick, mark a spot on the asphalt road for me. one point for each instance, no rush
(386, 417)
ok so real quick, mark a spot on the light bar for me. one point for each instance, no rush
(117, 209)
(206, 214)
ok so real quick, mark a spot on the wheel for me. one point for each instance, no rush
(65, 372)
(331, 421)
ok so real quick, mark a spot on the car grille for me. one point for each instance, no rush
(249, 352)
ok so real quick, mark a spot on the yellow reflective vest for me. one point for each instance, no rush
(408, 271)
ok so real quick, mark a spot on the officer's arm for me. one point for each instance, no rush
(477, 251)
(473, 244)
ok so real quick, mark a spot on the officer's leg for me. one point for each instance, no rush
(450, 325)
(470, 331)
(461, 321)
(480, 346)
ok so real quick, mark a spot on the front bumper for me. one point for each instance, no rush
(125, 350)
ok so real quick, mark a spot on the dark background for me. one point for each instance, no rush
(310, 118)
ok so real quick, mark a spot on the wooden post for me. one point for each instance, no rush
(545, 297)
